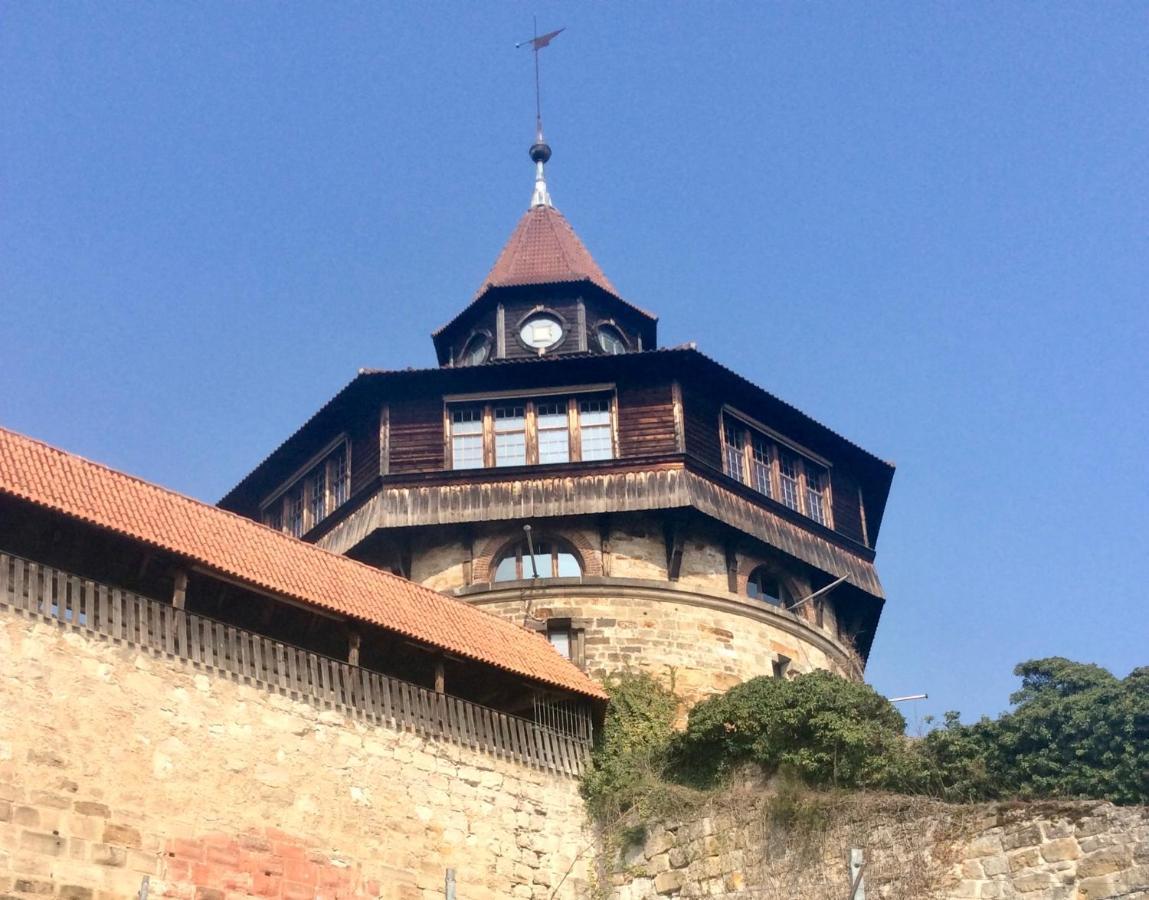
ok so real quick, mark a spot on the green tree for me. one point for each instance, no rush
(1075, 731)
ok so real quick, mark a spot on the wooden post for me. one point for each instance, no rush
(180, 591)
(353, 641)
(857, 875)
(440, 677)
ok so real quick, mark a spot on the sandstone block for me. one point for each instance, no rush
(107, 855)
(1033, 881)
(1060, 849)
(668, 882)
(31, 886)
(28, 816)
(87, 808)
(75, 892)
(124, 835)
(994, 865)
(985, 845)
(41, 842)
(1023, 859)
(1027, 836)
(1097, 888)
(1104, 862)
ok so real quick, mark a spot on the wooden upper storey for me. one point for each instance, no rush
(566, 415)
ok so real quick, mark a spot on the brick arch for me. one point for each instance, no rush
(588, 553)
(798, 590)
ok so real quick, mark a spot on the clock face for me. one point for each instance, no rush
(541, 332)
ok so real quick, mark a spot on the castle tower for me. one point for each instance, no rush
(643, 507)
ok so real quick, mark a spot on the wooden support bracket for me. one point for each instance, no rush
(675, 545)
(180, 590)
(731, 569)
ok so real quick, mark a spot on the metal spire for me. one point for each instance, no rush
(540, 149)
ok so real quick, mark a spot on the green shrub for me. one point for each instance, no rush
(629, 758)
(826, 730)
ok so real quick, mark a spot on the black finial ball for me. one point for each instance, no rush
(540, 152)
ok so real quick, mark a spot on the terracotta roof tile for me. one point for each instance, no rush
(544, 250)
(273, 561)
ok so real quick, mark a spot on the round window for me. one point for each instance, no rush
(541, 331)
(611, 340)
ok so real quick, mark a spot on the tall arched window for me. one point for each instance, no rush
(765, 586)
(553, 558)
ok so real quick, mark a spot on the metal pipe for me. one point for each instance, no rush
(817, 593)
(531, 550)
(909, 697)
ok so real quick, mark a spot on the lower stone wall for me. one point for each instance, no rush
(116, 765)
(747, 846)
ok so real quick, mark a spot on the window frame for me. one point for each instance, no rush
(277, 510)
(753, 437)
(479, 335)
(611, 326)
(518, 546)
(785, 595)
(571, 398)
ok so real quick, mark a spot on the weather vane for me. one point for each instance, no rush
(536, 44)
(540, 150)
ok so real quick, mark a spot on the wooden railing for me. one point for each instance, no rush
(79, 603)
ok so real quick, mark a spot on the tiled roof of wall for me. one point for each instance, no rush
(273, 561)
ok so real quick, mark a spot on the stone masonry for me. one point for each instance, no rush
(915, 850)
(116, 765)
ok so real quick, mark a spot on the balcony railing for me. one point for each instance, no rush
(559, 743)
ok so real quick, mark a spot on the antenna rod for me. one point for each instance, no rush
(538, 92)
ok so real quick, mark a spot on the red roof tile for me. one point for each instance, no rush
(273, 561)
(544, 250)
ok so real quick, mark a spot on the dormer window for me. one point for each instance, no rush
(771, 467)
(311, 495)
(611, 341)
(476, 350)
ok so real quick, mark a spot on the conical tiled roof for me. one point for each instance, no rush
(544, 250)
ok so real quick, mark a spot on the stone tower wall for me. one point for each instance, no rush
(694, 631)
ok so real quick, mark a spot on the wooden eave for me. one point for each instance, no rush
(647, 485)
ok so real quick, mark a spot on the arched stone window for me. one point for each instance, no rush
(553, 558)
(765, 586)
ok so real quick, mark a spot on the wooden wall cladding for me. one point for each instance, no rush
(416, 425)
(645, 419)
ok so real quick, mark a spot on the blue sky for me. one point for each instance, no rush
(926, 225)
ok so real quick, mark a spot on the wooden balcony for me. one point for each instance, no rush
(558, 741)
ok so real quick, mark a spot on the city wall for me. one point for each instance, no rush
(116, 764)
(747, 845)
